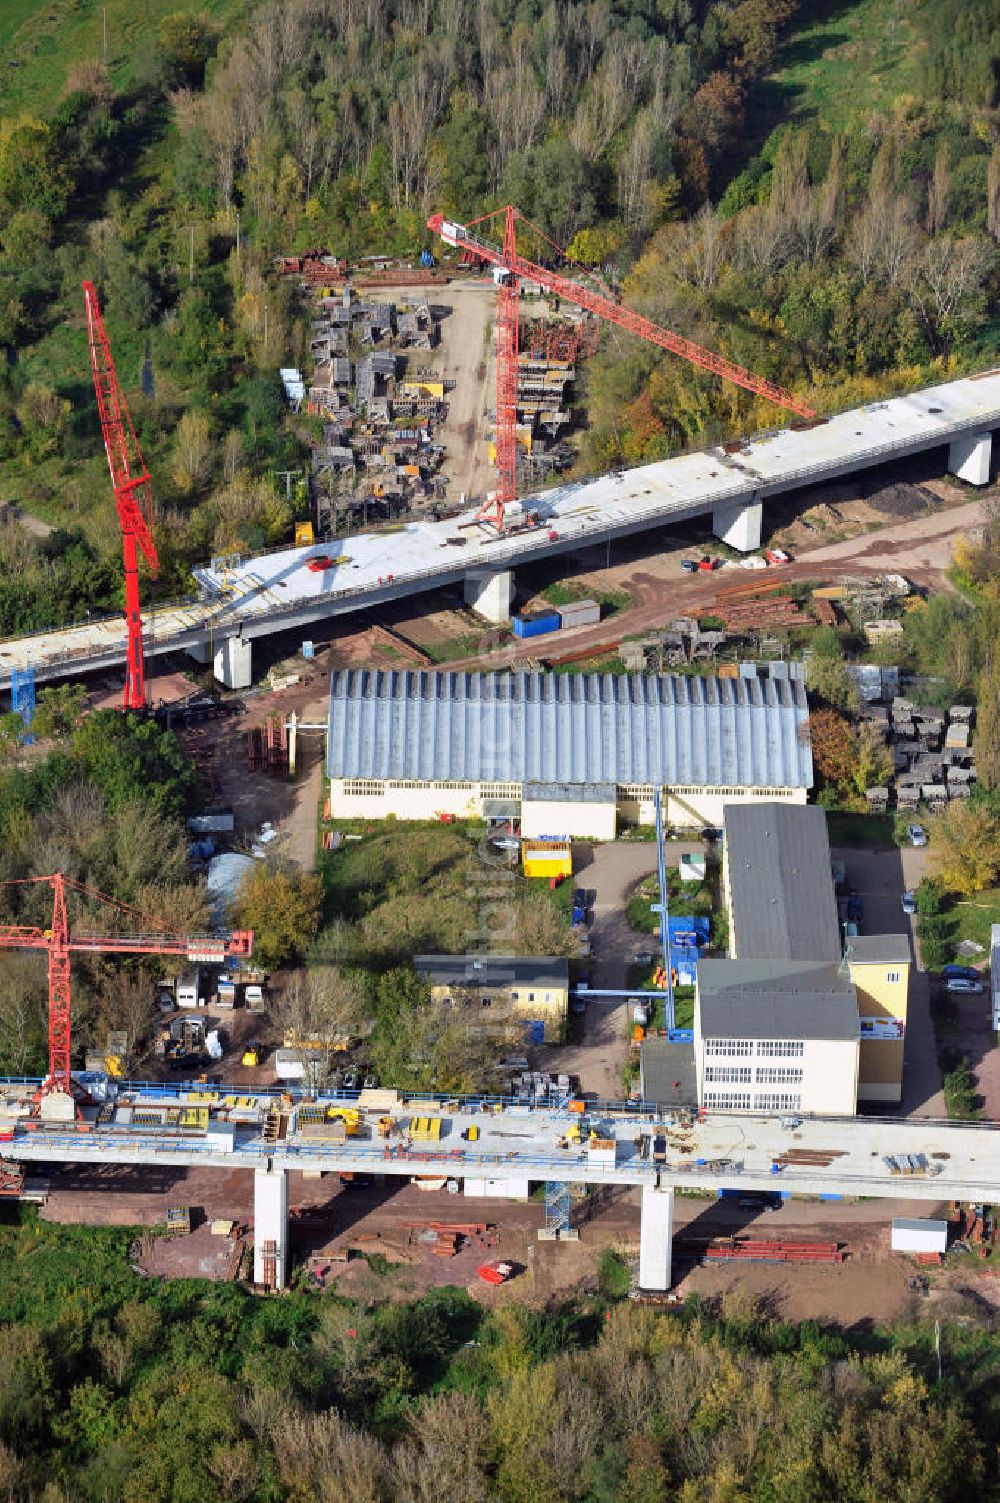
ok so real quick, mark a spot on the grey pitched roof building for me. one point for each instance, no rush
(776, 999)
(492, 970)
(569, 728)
(781, 900)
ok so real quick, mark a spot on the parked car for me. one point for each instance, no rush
(909, 902)
(960, 973)
(964, 985)
(777, 556)
(708, 563)
(761, 1200)
(578, 1006)
(689, 566)
(855, 910)
(917, 834)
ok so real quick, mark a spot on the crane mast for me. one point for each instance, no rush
(510, 269)
(131, 484)
(59, 942)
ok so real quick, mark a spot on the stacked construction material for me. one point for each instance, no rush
(755, 1250)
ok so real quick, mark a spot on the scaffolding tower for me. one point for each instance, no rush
(557, 1205)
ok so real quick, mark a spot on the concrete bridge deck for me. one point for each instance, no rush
(277, 591)
(889, 1158)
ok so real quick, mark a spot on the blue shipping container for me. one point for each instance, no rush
(536, 626)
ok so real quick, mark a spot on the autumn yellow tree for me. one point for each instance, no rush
(965, 848)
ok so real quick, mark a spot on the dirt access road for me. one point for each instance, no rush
(611, 872)
(920, 548)
(466, 312)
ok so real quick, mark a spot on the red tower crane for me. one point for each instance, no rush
(510, 269)
(133, 496)
(60, 941)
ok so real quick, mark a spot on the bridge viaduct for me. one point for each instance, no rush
(241, 599)
(507, 1146)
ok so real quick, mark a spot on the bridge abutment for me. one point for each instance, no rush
(969, 457)
(270, 1227)
(489, 593)
(738, 524)
(656, 1235)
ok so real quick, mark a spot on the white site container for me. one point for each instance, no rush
(919, 1236)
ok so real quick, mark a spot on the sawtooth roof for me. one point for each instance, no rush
(569, 728)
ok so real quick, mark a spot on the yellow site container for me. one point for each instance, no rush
(194, 1116)
(472, 1134)
(540, 859)
(426, 1129)
(304, 535)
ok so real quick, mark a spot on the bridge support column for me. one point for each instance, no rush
(656, 1234)
(270, 1227)
(232, 664)
(969, 457)
(738, 524)
(490, 593)
(201, 652)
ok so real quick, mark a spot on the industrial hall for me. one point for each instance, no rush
(575, 756)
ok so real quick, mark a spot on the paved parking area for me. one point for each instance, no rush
(611, 872)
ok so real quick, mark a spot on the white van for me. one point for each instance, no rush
(189, 989)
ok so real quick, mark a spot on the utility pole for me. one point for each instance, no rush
(191, 254)
(265, 328)
(105, 55)
(239, 263)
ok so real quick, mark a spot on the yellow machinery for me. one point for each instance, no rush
(251, 1054)
(349, 1115)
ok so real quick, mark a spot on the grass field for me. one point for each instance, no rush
(844, 59)
(40, 39)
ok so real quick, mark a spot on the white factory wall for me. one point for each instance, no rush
(578, 820)
(778, 1076)
(693, 808)
(404, 801)
(684, 808)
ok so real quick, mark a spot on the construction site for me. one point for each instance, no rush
(410, 414)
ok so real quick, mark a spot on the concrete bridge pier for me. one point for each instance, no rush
(270, 1227)
(738, 524)
(232, 663)
(969, 457)
(489, 592)
(656, 1234)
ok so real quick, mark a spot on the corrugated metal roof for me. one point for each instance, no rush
(568, 728)
(764, 999)
(780, 883)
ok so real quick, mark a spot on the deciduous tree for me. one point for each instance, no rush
(965, 847)
(282, 908)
